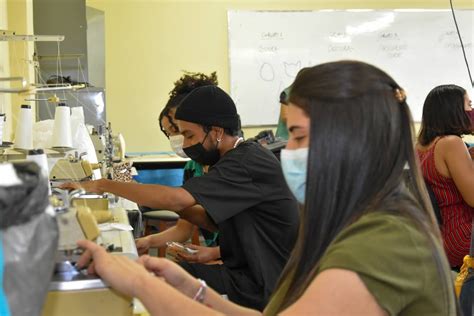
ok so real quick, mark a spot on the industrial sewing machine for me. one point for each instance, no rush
(109, 148)
(72, 168)
(72, 291)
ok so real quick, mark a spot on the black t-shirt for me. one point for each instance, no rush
(246, 195)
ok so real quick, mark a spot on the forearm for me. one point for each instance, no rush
(151, 195)
(160, 298)
(180, 233)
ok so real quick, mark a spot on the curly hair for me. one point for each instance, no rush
(191, 80)
(182, 87)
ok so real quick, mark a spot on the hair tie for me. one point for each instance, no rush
(400, 95)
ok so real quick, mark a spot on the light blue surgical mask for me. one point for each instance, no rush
(293, 163)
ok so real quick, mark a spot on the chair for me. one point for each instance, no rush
(434, 203)
(409, 182)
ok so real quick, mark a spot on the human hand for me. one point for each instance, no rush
(88, 186)
(143, 245)
(203, 254)
(172, 273)
(120, 272)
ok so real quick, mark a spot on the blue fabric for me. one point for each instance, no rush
(3, 299)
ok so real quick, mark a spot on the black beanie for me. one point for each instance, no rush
(209, 106)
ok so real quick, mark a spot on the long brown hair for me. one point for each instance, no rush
(361, 139)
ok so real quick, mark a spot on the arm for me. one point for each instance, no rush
(173, 296)
(337, 292)
(458, 161)
(198, 216)
(162, 299)
(151, 195)
(181, 232)
(185, 287)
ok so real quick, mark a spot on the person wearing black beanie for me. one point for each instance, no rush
(244, 195)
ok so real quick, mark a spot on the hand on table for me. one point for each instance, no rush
(204, 254)
(120, 272)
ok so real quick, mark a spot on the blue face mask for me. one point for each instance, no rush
(293, 163)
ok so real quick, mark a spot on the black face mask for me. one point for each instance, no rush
(199, 154)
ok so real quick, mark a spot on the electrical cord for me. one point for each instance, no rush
(462, 44)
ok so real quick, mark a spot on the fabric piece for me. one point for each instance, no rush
(456, 213)
(246, 195)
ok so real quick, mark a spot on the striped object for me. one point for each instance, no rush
(456, 213)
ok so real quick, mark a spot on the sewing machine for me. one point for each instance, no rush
(72, 168)
(109, 148)
(73, 292)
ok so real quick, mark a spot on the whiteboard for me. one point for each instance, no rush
(418, 48)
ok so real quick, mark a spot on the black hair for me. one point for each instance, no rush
(360, 142)
(182, 87)
(444, 114)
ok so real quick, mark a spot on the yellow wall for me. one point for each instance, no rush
(19, 18)
(149, 42)
(5, 99)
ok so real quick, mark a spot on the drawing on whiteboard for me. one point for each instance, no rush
(340, 48)
(448, 35)
(450, 41)
(272, 36)
(267, 49)
(339, 37)
(291, 69)
(266, 72)
(409, 44)
(388, 36)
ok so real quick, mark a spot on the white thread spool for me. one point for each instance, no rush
(62, 126)
(38, 156)
(24, 128)
(2, 124)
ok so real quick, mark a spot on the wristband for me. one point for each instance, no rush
(201, 292)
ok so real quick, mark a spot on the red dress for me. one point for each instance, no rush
(456, 213)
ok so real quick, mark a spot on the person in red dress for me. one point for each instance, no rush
(447, 165)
